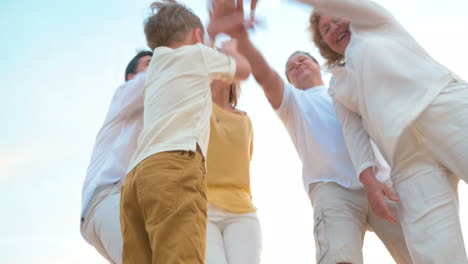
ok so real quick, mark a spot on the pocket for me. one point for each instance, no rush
(158, 183)
(320, 237)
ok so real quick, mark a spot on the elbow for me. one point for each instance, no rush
(242, 72)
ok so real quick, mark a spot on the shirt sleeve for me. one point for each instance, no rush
(132, 95)
(356, 138)
(284, 110)
(357, 12)
(219, 66)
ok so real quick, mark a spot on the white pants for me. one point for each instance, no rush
(232, 238)
(429, 152)
(342, 216)
(101, 227)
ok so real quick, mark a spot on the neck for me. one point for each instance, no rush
(187, 41)
(220, 96)
(311, 82)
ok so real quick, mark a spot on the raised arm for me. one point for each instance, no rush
(227, 16)
(243, 68)
(362, 156)
(266, 77)
(357, 12)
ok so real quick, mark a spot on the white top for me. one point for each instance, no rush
(178, 99)
(312, 124)
(117, 139)
(387, 82)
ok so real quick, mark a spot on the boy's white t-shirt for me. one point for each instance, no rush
(177, 99)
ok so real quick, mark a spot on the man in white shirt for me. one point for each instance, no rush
(115, 144)
(341, 210)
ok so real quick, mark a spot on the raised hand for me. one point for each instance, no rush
(253, 6)
(226, 16)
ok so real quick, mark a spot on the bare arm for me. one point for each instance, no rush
(266, 77)
(359, 12)
(243, 68)
(227, 16)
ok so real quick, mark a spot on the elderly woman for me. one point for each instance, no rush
(387, 87)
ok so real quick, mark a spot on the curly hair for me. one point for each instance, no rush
(170, 23)
(330, 56)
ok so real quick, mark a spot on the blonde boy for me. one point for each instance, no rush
(163, 202)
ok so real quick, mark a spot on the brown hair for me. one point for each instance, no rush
(234, 93)
(170, 23)
(330, 56)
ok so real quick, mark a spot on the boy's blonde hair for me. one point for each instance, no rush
(331, 56)
(170, 23)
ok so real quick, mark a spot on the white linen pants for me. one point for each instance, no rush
(429, 152)
(342, 216)
(232, 238)
(101, 227)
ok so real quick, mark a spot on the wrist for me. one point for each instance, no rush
(367, 177)
(212, 31)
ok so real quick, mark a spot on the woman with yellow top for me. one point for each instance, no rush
(233, 229)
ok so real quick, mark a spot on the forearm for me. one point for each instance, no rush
(261, 70)
(359, 12)
(356, 138)
(267, 78)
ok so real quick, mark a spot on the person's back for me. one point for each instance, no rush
(177, 89)
(115, 144)
(164, 195)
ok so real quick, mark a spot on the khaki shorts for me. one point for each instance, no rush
(341, 218)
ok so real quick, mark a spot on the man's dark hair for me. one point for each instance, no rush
(133, 64)
(294, 53)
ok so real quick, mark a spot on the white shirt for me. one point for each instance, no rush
(312, 124)
(387, 81)
(117, 140)
(178, 99)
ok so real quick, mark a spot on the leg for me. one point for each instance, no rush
(391, 235)
(108, 227)
(428, 207)
(136, 247)
(102, 229)
(214, 239)
(340, 223)
(442, 128)
(171, 194)
(243, 239)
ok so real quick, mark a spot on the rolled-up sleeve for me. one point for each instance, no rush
(356, 138)
(358, 12)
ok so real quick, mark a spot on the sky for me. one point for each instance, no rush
(61, 62)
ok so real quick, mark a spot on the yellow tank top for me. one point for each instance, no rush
(228, 161)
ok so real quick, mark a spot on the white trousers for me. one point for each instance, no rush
(341, 218)
(429, 152)
(232, 238)
(101, 227)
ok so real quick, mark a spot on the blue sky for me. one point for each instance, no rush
(61, 63)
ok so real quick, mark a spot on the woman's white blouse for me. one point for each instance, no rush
(387, 81)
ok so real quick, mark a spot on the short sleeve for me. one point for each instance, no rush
(284, 109)
(219, 66)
